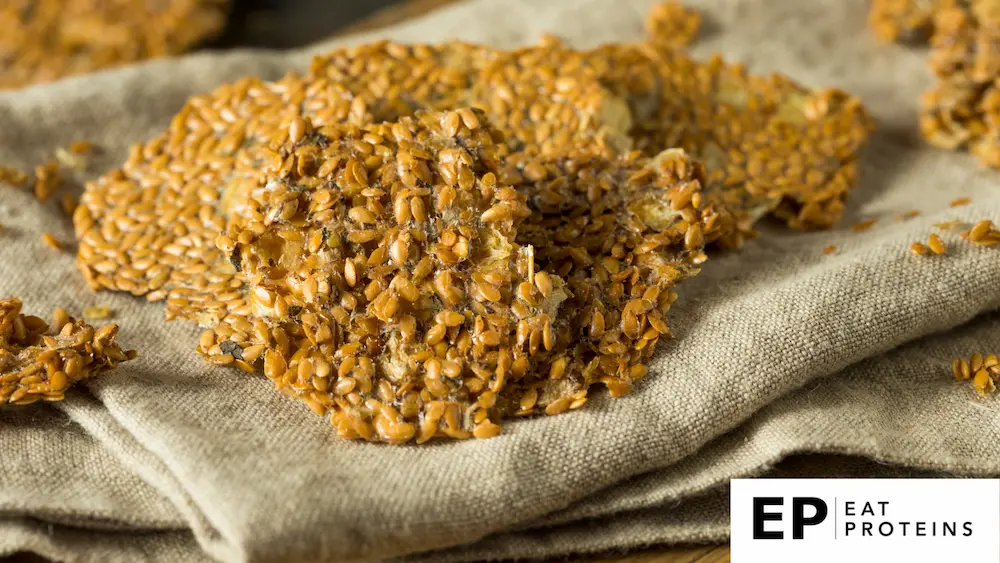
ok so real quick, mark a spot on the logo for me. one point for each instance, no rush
(799, 520)
(913, 520)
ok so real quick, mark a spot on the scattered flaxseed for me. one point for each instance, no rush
(960, 202)
(918, 249)
(863, 225)
(830, 249)
(671, 24)
(97, 313)
(43, 40)
(982, 370)
(907, 215)
(983, 233)
(948, 225)
(51, 241)
(13, 176)
(68, 204)
(81, 147)
(39, 363)
(48, 179)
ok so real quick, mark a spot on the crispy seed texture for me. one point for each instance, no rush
(383, 280)
(623, 233)
(43, 40)
(39, 362)
(150, 227)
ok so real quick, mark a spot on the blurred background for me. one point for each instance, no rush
(282, 24)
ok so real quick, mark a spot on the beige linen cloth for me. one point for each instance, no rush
(779, 350)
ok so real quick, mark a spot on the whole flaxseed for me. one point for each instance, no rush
(52, 242)
(935, 244)
(863, 225)
(40, 363)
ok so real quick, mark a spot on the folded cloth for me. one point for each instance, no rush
(780, 347)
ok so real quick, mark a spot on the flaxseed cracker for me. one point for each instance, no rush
(386, 288)
(42, 40)
(768, 144)
(149, 228)
(39, 364)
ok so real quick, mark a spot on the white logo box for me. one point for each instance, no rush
(909, 520)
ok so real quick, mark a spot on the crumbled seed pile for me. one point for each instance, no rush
(37, 363)
(904, 21)
(962, 111)
(671, 24)
(981, 371)
(42, 40)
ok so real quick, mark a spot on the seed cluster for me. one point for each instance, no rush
(671, 24)
(422, 240)
(962, 111)
(37, 363)
(983, 233)
(42, 40)
(983, 371)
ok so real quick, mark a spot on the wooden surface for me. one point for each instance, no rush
(408, 9)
